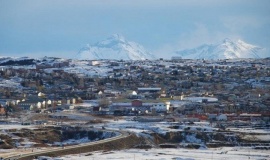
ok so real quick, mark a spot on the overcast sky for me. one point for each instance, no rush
(61, 27)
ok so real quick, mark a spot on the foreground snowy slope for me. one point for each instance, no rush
(114, 47)
(177, 154)
(225, 50)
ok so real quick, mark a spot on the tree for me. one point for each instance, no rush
(6, 113)
(7, 110)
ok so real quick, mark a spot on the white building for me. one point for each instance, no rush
(161, 107)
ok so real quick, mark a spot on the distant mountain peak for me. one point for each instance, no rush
(118, 37)
(227, 49)
(240, 41)
(114, 47)
(227, 40)
(111, 41)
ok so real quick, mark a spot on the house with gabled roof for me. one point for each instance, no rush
(31, 102)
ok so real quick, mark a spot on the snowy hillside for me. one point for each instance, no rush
(225, 50)
(16, 61)
(114, 47)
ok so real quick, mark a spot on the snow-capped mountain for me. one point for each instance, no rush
(225, 50)
(115, 47)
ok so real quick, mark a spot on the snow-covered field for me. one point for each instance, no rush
(157, 127)
(15, 126)
(176, 154)
(11, 83)
(143, 129)
(250, 130)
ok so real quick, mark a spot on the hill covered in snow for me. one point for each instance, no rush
(115, 47)
(228, 49)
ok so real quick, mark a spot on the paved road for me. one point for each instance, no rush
(122, 134)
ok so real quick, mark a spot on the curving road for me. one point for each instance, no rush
(123, 134)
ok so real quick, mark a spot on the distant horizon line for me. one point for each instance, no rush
(178, 58)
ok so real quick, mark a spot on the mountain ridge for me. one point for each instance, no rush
(115, 47)
(227, 49)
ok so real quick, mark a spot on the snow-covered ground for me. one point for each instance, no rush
(157, 127)
(250, 130)
(15, 126)
(142, 129)
(11, 83)
(104, 135)
(234, 153)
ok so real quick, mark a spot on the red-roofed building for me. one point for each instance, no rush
(136, 103)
